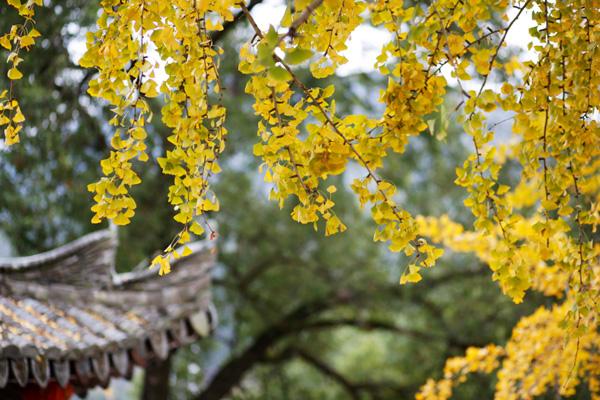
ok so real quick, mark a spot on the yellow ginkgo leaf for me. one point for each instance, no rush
(412, 276)
(5, 42)
(14, 74)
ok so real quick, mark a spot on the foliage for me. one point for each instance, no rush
(534, 225)
(44, 202)
(198, 132)
(271, 267)
(20, 37)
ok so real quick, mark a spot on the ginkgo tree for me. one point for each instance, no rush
(536, 231)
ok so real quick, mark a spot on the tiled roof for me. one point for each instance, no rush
(67, 316)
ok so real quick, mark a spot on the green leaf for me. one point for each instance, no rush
(264, 55)
(298, 55)
(272, 37)
(431, 126)
(286, 20)
(279, 74)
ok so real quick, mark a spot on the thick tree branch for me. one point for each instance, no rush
(370, 325)
(329, 371)
(156, 380)
(302, 318)
(354, 389)
(233, 371)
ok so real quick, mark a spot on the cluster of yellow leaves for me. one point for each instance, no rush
(180, 33)
(449, 33)
(559, 144)
(20, 37)
(123, 69)
(537, 359)
(457, 369)
(414, 90)
(289, 161)
(326, 33)
(540, 231)
(535, 230)
(546, 277)
(196, 121)
(303, 141)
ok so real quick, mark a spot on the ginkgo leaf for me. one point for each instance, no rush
(271, 37)
(298, 55)
(18, 117)
(26, 41)
(5, 42)
(186, 251)
(411, 276)
(196, 228)
(286, 20)
(14, 74)
(279, 74)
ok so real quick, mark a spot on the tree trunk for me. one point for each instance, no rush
(156, 379)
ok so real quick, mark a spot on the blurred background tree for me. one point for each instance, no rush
(302, 316)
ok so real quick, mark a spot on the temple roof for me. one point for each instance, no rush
(67, 316)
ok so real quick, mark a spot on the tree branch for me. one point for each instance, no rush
(302, 18)
(329, 371)
(233, 371)
(354, 389)
(301, 318)
(218, 35)
(370, 324)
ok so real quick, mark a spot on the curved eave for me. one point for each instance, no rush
(48, 257)
(202, 251)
